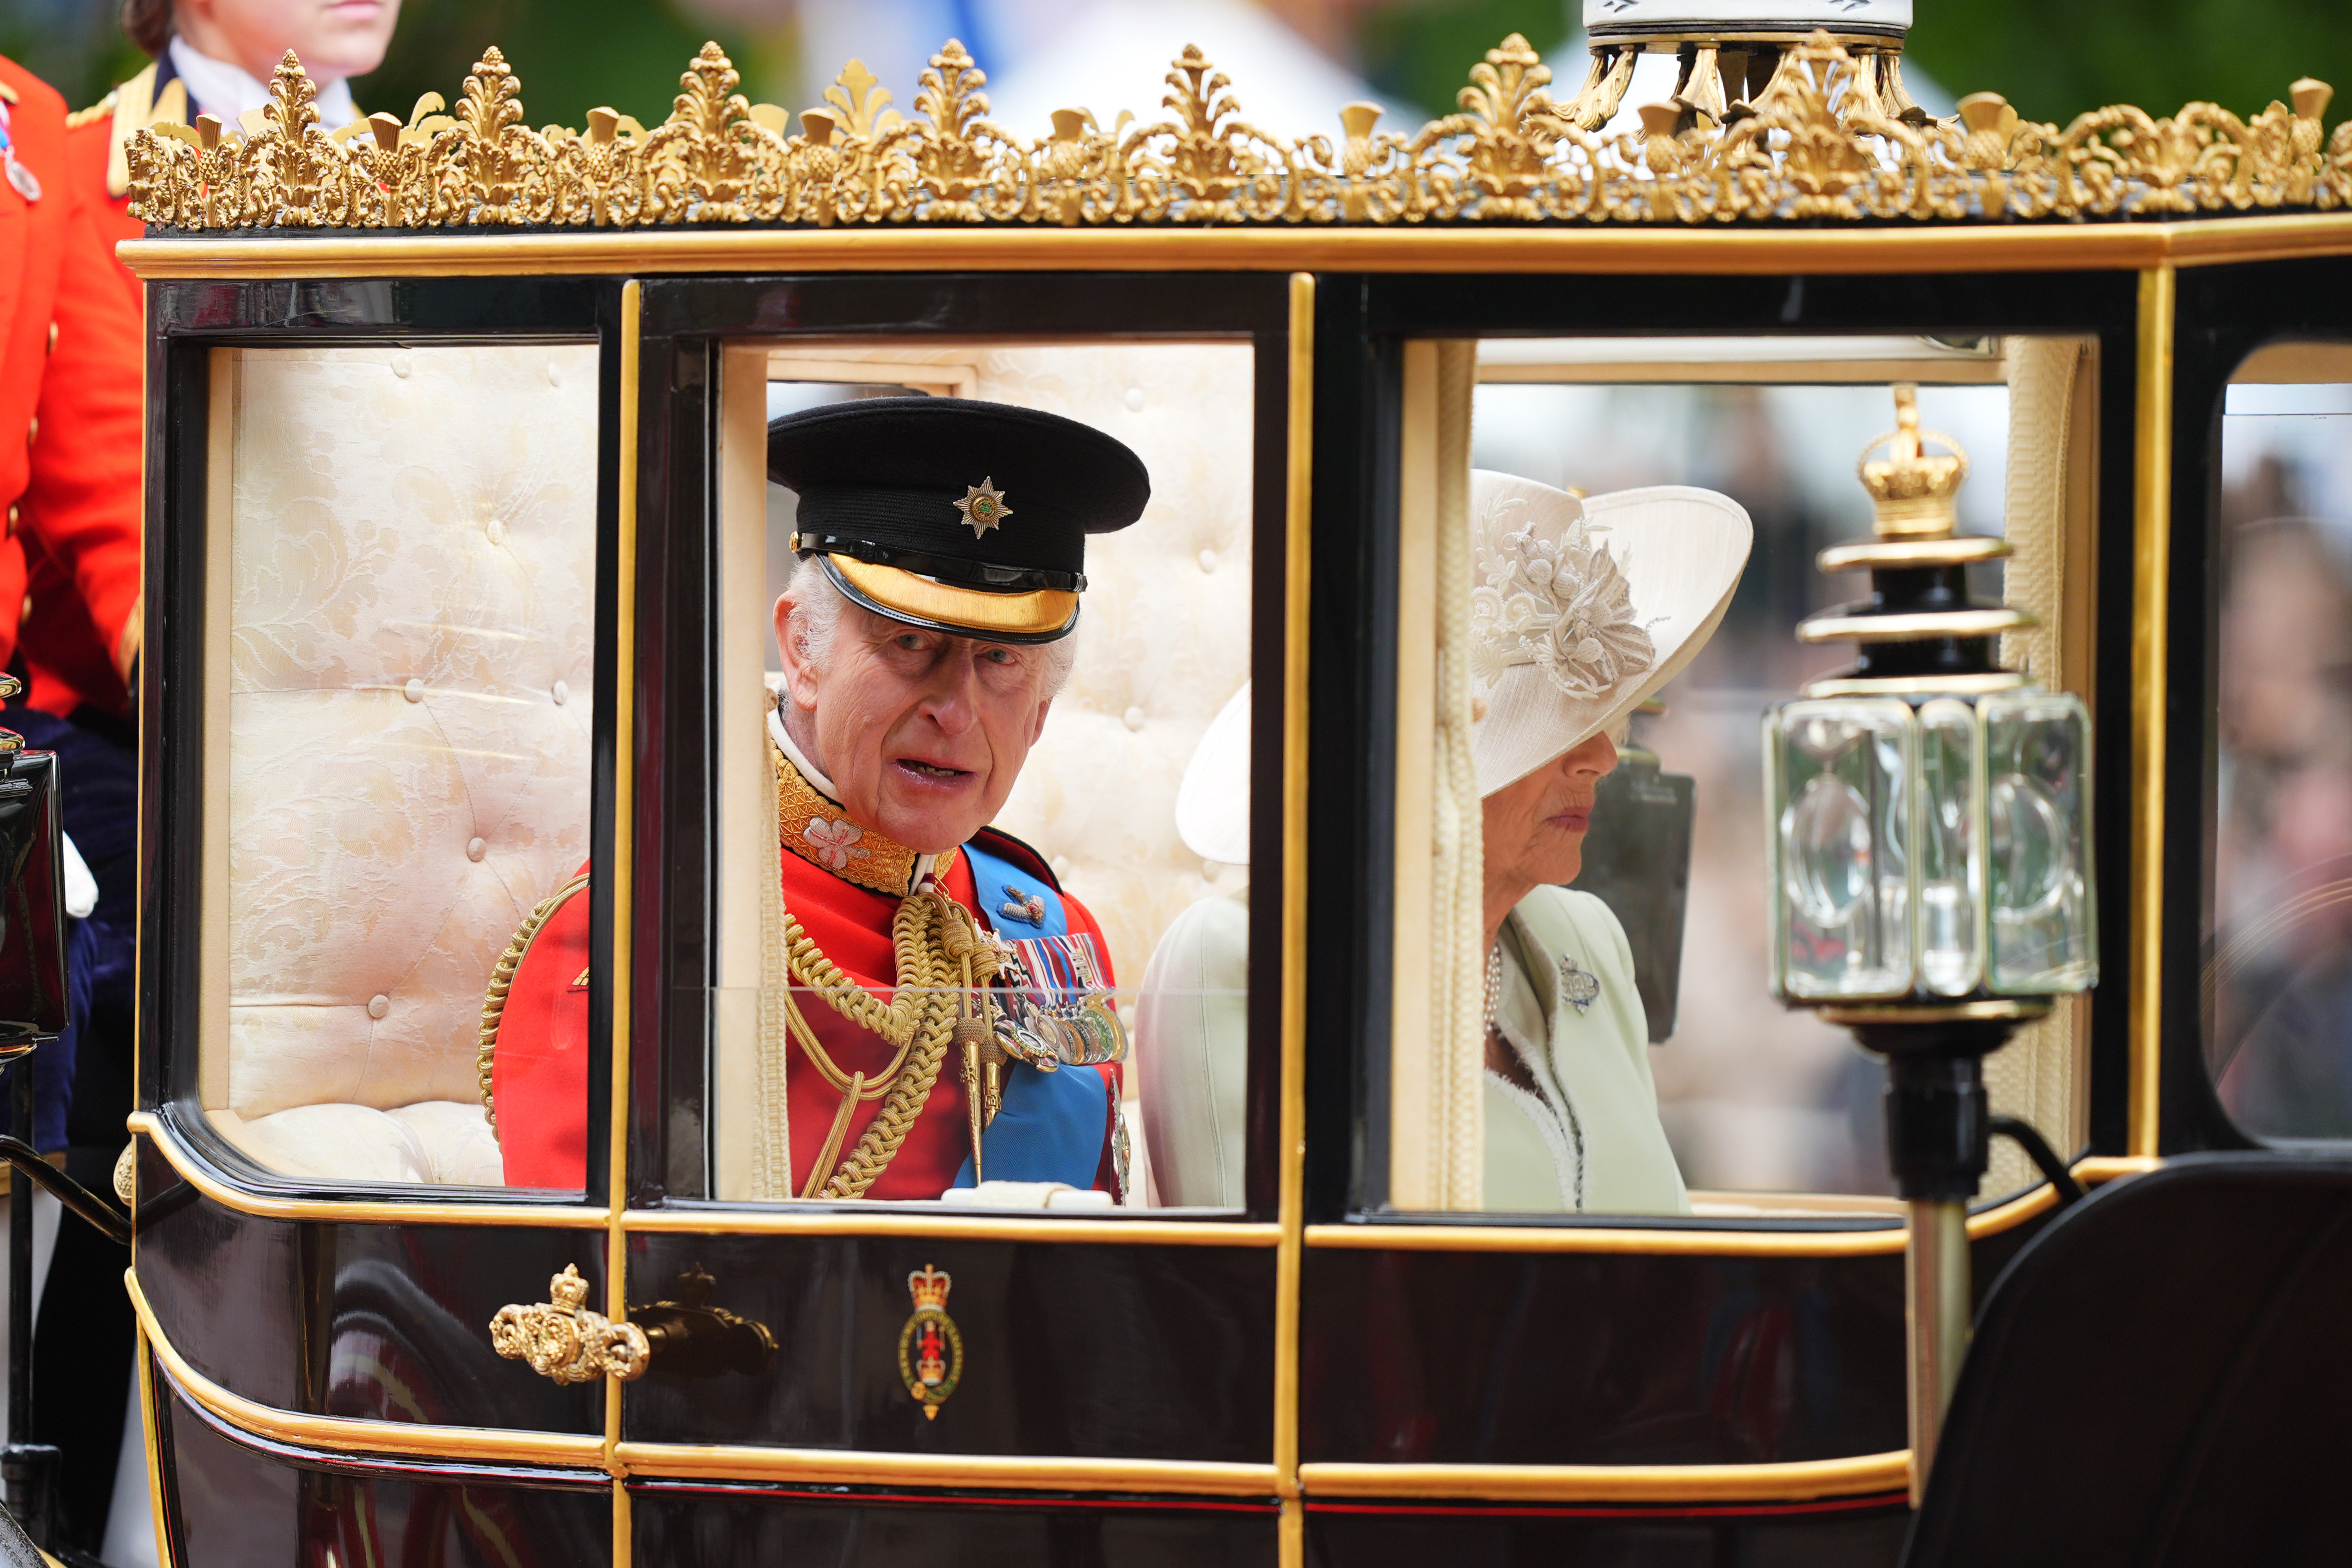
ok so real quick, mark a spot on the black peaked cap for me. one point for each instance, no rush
(880, 479)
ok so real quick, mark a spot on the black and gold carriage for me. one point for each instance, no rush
(460, 549)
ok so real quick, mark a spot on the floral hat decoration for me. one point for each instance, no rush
(1579, 610)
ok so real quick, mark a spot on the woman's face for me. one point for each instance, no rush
(1535, 828)
(334, 39)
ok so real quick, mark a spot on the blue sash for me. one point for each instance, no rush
(1051, 1125)
(1014, 903)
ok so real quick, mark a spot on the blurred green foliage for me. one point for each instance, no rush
(1422, 51)
(75, 45)
(571, 57)
(2053, 60)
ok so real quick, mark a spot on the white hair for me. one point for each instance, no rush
(818, 603)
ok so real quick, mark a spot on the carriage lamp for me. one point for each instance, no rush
(1931, 884)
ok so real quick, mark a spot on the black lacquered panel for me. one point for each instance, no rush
(1112, 1351)
(1583, 1358)
(753, 1527)
(390, 1323)
(1843, 1533)
(236, 1501)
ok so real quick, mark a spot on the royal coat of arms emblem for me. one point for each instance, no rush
(931, 1349)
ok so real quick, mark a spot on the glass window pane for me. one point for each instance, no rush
(2279, 966)
(1731, 1103)
(1108, 1002)
(401, 589)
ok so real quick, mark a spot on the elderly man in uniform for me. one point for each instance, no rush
(948, 1020)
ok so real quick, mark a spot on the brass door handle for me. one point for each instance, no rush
(562, 1339)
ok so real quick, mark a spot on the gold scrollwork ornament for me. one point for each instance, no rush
(930, 1346)
(563, 1340)
(1831, 135)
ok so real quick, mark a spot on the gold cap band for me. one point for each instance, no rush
(1042, 613)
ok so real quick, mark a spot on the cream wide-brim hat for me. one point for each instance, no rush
(1212, 803)
(1680, 551)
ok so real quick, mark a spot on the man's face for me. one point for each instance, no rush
(1534, 828)
(923, 734)
(334, 39)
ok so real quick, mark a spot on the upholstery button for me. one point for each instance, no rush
(27, 612)
(1135, 398)
(1133, 718)
(476, 849)
(33, 430)
(554, 374)
(378, 1006)
(414, 691)
(12, 522)
(53, 337)
(563, 693)
(1209, 870)
(496, 529)
(401, 366)
(1208, 560)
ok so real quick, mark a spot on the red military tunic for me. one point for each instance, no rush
(70, 453)
(540, 1068)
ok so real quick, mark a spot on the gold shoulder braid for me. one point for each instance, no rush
(933, 945)
(502, 974)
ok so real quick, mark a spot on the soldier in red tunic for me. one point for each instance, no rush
(947, 1020)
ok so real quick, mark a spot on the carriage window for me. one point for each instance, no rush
(2278, 971)
(401, 552)
(908, 704)
(1631, 551)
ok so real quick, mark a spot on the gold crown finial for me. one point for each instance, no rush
(929, 1287)
(1913, 492)
(568, 1290)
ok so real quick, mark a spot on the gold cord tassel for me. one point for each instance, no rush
(832, 1145)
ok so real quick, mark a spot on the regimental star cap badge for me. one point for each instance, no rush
(983, 506)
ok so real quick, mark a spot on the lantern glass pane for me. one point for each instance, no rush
(2037, 851)
(1951, 901)
(1843, 780)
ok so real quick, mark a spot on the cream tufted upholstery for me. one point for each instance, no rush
(412, 535)
(409, 685)
(1164, 637)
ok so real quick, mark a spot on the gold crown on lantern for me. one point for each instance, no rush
(1914, 492)
(929, 1287)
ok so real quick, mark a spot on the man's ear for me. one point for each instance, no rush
(1037, 725)
(799, 675)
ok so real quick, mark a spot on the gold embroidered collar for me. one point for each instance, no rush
(816, 827)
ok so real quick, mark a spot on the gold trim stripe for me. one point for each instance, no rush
(346, 1434)
(951, 1225)
(1859, 1475)
(357, 1211)
(624, 868)
(766, 1221)
(821, 1466)
(156, 1512)
(2151, 595)
(1564, 249)
(1291, 1138)
(942, 1225)
(829, 1466)
(1879, 1240)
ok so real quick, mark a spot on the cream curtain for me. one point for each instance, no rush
(2048, 503)
(1438, 1141)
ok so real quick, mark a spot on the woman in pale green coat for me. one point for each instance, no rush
(1581, 611)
